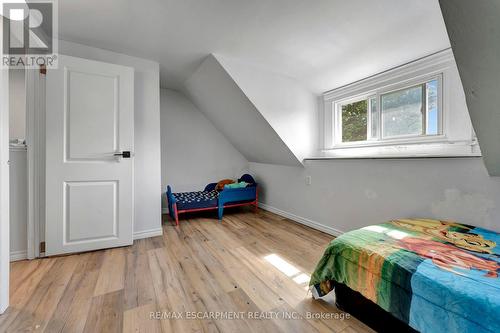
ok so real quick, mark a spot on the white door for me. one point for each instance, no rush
(89, 185)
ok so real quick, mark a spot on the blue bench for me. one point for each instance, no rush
(211, 199)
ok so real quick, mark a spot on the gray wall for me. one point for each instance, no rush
(18, 209)
(17, 104)
(194, 153)
(349, 194)
(474, 31)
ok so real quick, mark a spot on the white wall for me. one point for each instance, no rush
(147, 160)
(223, 102)
(17, 104)
(18, 207)
(4, 187)
(290, 108)
(352, 193)
(194, 153)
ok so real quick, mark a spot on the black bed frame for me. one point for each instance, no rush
(368, 312)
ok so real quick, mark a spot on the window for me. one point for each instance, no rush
(411, 111)
(408, 112)
(415, 109)
(355, 121)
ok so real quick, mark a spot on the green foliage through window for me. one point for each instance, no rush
(354, 121)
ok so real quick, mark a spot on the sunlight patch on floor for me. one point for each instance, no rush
(288, 269)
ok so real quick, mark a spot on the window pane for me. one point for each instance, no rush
(432, 108)
(354, 121)
(402, 112)
(374, 117)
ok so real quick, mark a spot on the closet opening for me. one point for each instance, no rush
(26, 158)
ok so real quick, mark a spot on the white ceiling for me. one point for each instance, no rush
(322, 43)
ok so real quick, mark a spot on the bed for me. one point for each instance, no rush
(211, 199)
(429, 275)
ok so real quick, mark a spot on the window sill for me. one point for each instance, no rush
(399, 142)
(420, 157)
(427, 150)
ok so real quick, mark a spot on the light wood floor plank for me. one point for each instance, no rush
(200, 268)
(208, 289)
(27, 285)
(138, 281)
(112, 272)
(73, 308)
(174, 294)
(106, 313)
(36, 313)
(245, 304)
(138, 320)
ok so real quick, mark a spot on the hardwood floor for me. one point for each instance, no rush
(252, 266)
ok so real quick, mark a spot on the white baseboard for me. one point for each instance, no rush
(302, 220)
(18, 255)
(148, 233)
(21, 255)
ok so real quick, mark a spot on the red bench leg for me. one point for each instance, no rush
(256, 209)
(176, 214)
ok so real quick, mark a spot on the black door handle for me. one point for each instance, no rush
(124, 154)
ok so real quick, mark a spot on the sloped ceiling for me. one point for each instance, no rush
(474, 30)
(322, 43)
(287, 106)
(221, 100)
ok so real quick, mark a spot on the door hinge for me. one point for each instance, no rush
(43, 69)
(42, 247)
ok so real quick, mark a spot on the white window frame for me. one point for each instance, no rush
(441, 67)
(337, 123)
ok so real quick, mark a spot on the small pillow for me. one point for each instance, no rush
(220, 184)
(236, 185)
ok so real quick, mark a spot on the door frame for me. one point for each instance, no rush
(35, 141)
(4, 187)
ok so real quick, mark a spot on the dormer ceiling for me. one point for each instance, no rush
(223, 102)
(323, 43)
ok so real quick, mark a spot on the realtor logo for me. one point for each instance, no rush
(29, 34)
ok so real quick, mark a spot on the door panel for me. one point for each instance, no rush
(89, 190)
(87, 203)
(91, 115)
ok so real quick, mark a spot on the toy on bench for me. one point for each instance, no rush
(211, 199)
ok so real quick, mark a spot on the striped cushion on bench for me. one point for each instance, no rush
(196, 200)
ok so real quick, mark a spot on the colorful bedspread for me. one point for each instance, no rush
(436, 276)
